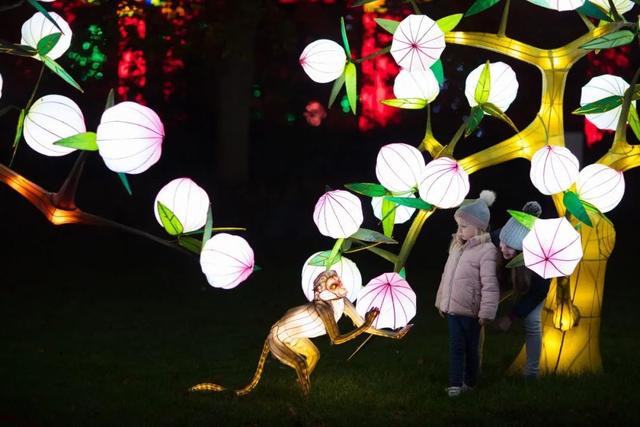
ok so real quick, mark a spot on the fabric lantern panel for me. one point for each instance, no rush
(323, 60)
(553, 169)
(622, 6)
(399, 167)
(503, 89)
(188, 202)
(130, 137)
(601, 186)
(552, 248)
(402, 213)
(50, 119)
(444, 183)
(417, 43)
(38, 27)
(602, 87)
(559, 5)
(416, 84)
(347, 271)
(392, 294)
(226, 260)
(338, 214)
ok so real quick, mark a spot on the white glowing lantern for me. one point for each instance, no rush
(130, 137)
(323, 60)
(559, 5)
(417, 43)
(0, 85)
(393, 296)
(338, 214)
(602, 87)
(347, 271)
(226, 260)
(553, 169)
(552, 248)
(51, 118)
(38, 27)
(188, 202)
(402, 213)
(399, 167)
(622, 6)
(503, 86)
(416, 84)
(601, 186)
(444, 183)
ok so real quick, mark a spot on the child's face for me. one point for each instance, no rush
(507, 251)
(465, 230)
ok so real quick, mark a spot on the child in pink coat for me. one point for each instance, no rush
(469, 292)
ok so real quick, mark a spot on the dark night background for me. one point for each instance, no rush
(261, 163)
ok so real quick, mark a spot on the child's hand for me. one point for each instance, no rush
(484, 321)
(441, 313)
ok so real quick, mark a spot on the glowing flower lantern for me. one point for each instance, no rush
(444, 183)
(51, 118)
(601, 87)
(417, 43)
(552, 248)
(38, 27)
(403, 213)
(226, 260)
(559, 5)
(601, 186)
(399, 167)
(0, 85)
(503, 86)
(553, 169)
(416, 84)
(323, 60)
(622, 6)
(393, 296)
(338, 214)
(188, 202)
(130, 137)
(347, 271)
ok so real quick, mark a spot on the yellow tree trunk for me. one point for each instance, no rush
(578, 349)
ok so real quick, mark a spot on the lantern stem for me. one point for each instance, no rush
(373, 55)
(448, 149)
(410, 239)
(587, 22)
(505, 17)
(416, 8)
(65, 198)
(334, 253)
(11, 6)
(621, 129)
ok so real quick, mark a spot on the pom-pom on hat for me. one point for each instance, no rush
(476, 211)
(513, 232)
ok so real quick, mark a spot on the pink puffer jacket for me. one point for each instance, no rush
(469, 286)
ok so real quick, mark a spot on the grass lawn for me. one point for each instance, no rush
(96, 344)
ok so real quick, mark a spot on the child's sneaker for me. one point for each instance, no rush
(453, 391)
(465, 388)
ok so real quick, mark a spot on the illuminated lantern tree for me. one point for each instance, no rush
(576, 259)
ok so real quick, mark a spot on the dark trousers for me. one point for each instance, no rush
(464, 339)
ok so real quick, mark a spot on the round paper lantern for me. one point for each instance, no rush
(403, 213)
(553, 169)
(338, 214)
(601, 186)
(602, 87)
(0, 85)
(393, 296)
(51, 118)
(420, 84)
(38, 27)
(444, 183)
(399, 167)
(226, 260)
(504, 85)
(323, 60)
(560, 5)
(417, 43)
(552, 248)
(346, 269)
(188, 202)
(130, 137)
(622, 6)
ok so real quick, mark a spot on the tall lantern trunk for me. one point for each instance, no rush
(578, 349)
